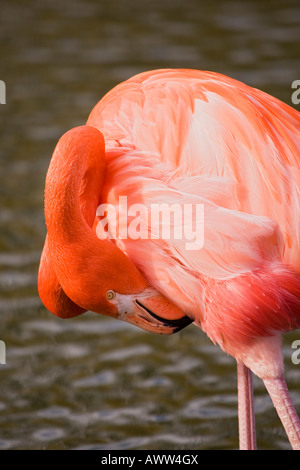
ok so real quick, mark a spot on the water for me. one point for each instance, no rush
(92, 382)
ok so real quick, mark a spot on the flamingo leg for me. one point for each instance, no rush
(282, 401)
(247, 434)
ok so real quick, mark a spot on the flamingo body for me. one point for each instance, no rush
(205, 138)
(192, 137)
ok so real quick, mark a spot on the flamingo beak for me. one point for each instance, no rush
(153, 312)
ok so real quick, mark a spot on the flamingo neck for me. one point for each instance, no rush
(73, 184)
(72, 192)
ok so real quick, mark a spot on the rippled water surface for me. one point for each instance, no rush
(92, 382)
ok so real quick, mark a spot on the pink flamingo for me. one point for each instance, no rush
(185, 137)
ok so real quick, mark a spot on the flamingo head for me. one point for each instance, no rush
(149, 310)
(117, 289)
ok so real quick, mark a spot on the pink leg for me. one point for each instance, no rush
(247, 435)
(282, 401)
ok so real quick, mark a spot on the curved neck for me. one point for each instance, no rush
(72, 192)
(74, 181)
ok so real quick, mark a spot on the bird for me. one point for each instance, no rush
(178, 140)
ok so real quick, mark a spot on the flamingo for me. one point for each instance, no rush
(185, 137)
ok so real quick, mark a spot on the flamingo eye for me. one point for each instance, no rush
(110, 295)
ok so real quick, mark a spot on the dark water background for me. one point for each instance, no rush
(93, 382)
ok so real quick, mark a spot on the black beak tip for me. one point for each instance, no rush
(176, 324)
